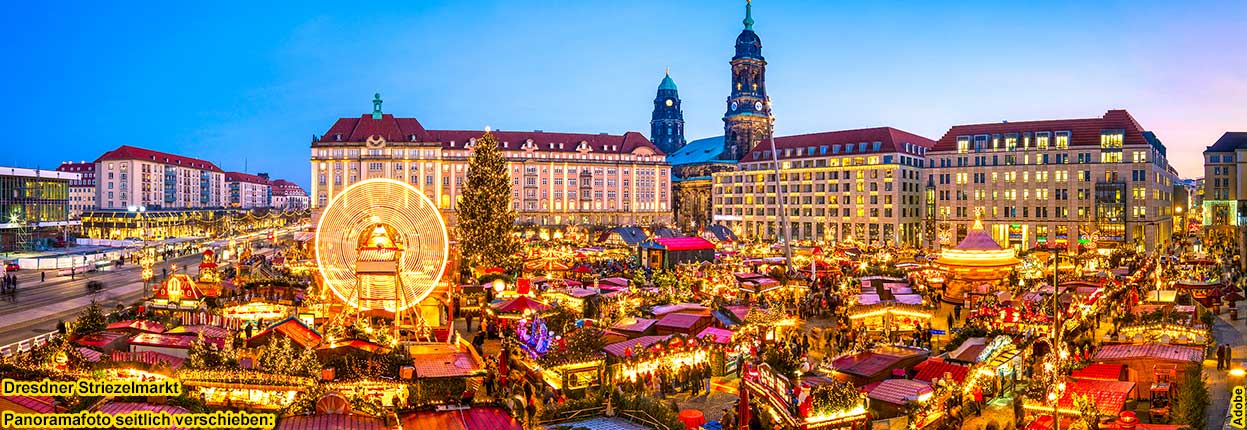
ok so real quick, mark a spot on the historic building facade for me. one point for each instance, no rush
(248, 191)
(1054, 183)
(81, 191)
(133, 177)
(859, 186)
(667, 122)
(748, 118)
(745, 123)
(288, 195)
(558, 179)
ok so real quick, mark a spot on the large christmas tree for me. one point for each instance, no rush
(486, 219)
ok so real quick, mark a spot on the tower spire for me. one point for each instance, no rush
(376, 106)
(748, 15)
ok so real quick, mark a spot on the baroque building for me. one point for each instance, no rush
(748, 118)
(667, 123)
(560, 181)
(745, 124)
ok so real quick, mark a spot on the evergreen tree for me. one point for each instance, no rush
(1192, 402)
(90, 320)
(486, 219)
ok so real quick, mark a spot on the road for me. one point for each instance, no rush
(39, 305)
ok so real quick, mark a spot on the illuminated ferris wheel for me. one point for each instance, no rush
(381, 245)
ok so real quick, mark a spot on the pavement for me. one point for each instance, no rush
(1224, 331)
(39, 305)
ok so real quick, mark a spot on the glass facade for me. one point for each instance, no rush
(24, 199)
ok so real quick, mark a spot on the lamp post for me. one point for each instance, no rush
(779, 191)
(1058, 348)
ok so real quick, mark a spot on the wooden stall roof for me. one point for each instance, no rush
(138, 325)
(99, 339)
(331, 422)
(1099, 372)
(679, 321)
(899, 391)
(468, 419)
(617, 349)
(1150, 350)
(635, 325)
(934, 369)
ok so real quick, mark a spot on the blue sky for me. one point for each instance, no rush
(251, 82)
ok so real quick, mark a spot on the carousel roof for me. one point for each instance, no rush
(977, 250)
(521, 304)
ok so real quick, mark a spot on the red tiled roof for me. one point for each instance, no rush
(1150, 350)
(409, 130)
(244, 177)
(1083, 132)
(683, 243)
(890, 139)
(127, 152)
(86, 170)
(934, 369)
(898, 391)
(282, 187)
(89, 354)
(1099, 371)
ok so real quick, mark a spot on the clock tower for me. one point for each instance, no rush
(667, 123)
(747, 120)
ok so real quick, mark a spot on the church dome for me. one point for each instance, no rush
(667, 83)
(748, 45)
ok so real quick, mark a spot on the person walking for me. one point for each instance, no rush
(42, 276)
(1220, 357)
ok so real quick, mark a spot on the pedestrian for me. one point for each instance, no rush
(957, 311)
(1220, 357)
(1229, 352)
(42, 276)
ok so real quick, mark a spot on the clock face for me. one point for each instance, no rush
(757, 106)
(734, 106)
(669, 102)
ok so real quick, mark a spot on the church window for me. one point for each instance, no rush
(755, 86)
(738, 86)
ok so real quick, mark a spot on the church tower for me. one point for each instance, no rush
(747, 120)
(667, 124)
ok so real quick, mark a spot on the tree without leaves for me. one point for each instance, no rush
(486, 219)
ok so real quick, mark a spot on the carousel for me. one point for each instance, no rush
(977, 264)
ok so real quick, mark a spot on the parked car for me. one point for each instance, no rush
(12, 266)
